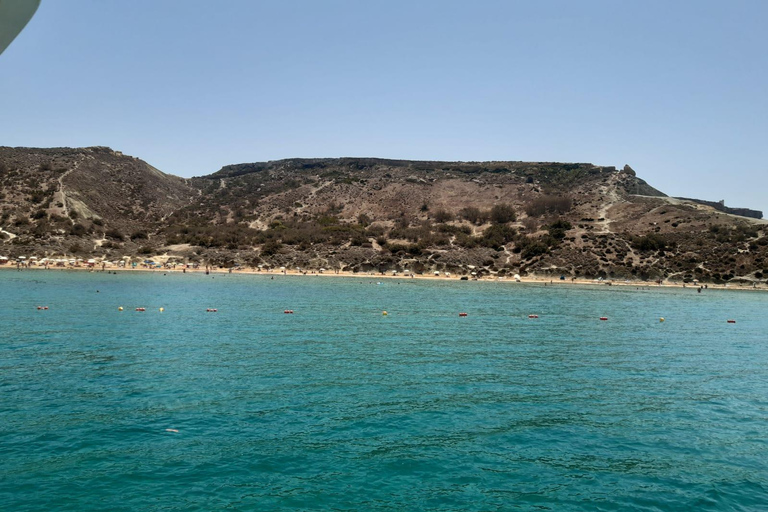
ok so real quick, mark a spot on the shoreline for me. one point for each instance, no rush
(530, 279)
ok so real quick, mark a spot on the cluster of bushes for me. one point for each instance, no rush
(727, 234)
(498, 214)
(549, 204)
(407, 236)
(650, 242)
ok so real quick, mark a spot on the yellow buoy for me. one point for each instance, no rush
(120, 308)
(162, 309)
(661, 319)
(384, 313)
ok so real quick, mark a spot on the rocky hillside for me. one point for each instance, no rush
(372, 214)
(62, 200)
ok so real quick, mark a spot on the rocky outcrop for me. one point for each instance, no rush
(720, 206)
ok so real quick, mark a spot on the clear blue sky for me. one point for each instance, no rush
(678, 90)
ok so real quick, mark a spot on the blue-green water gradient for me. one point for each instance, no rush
(337, 407)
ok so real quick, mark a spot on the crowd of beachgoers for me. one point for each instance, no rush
(129, 264)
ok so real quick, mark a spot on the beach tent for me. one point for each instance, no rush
(517, 277)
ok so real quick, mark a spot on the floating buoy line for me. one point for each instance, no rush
(532, 316)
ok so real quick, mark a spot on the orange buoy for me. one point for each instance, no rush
(603, 318)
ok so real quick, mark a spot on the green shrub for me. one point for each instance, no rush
(473, 215)
(442, 216)
(498, 235)
(78, 230)
(114, 234)
(502, 213)
(271, 247)
(650, 242)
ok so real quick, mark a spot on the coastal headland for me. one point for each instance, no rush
(485, 220)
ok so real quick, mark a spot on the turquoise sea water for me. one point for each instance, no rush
(337, 407)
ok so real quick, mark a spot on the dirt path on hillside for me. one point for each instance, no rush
(61, 196)
(611, 198)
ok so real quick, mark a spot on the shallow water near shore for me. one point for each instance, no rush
(339, 407)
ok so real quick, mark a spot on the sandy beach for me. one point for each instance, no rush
(527, 279)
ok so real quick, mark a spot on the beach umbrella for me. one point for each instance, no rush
(91, 261)
(33, 257)
(517, 277)
(22, 257)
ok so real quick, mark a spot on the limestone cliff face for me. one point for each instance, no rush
(373, 214)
